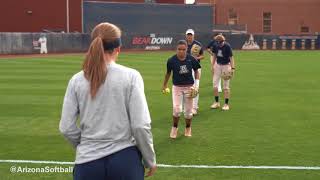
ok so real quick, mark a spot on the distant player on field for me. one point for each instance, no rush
(223, 67)
(43, 44)
(195, 49)
(181, 65)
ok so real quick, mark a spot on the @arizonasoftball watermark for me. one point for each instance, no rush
(45, 169)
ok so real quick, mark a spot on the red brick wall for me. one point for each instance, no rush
(205, 1)
(287, 15)
(45, 15)
(75, 13)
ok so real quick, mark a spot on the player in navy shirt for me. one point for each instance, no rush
(181, 65)
(191, 42)
(210, 48)
(222, 63)
(212, 44)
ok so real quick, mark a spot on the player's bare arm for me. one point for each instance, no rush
(232, 62)
(213, 61)
(166, 79)
(210, 52)
(200, 57)
(196, 74)
(233, 68)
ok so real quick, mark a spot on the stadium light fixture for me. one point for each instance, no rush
(190, 1)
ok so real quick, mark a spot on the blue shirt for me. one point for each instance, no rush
(212, 45)
(182, 70)
(223, 53)
(190, 46)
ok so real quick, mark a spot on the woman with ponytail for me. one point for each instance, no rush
(113, 138)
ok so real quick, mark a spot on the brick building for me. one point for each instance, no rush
(52, 15)
(259, 17)
(37, 15)
(269, 16)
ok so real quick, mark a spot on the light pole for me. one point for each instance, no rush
(67, 12)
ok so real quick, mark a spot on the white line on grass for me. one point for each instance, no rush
(240, 167)
(178, 166)
(35, 162)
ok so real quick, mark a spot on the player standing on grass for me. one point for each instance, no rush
(195, 49)
(223, 67)
(114, 132)
(210, 48)
(184, 89)
(43, 44)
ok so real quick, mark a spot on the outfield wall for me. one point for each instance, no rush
(276, 42)
(167, 41)
(25, 43)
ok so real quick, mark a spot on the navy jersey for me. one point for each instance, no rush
(223, 53)
(212, 45)
(190, 46)
(182, 70)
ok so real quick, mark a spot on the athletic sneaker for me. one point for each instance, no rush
(174, 132)
(215, 105)
(187, 132)
(225, 107)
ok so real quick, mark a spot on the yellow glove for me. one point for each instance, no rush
(193, 92)
(195, 50)
(227, 74)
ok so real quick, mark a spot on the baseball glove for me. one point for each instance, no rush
(227, 74)
(195, 50)
(193, 92)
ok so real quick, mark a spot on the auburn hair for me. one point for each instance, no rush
(219, 38)
(94, 65)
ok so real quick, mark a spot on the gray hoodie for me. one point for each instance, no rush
(117, 118)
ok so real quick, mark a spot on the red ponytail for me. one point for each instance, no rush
(94, 66)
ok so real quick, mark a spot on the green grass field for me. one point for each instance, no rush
(274, 118)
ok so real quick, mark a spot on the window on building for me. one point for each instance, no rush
(267, 18)
(304, 29)
(233, 17)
